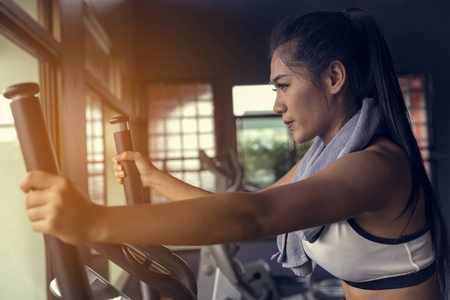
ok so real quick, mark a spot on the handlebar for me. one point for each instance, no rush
(124, 142)
(38, 154)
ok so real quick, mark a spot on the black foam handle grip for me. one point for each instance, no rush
(131, 182)
(38, 154)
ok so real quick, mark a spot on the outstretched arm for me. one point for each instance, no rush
(366, 181)
(167, 185)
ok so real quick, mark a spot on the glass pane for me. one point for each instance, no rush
(206, 141)
(95, 146)
(174, 165)
(253, 99)
(30, 6)
(205, 108)
(96, 186)
(98, 157)
(263, 147)
(173, 126)
(98, 145)
(173, 142)
(189, 125)
(189, 109)
(22, 253)
(206, 125)
(190, 141)
(96, 168)
(192, 164)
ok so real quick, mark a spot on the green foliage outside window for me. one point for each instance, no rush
(265, 162)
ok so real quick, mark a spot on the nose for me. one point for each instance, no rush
(279, 107)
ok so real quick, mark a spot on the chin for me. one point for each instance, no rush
(300, 139)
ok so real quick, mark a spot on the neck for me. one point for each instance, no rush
(345, 110)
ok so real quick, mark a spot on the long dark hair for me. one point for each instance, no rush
(352, 37)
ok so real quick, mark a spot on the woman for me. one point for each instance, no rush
(359, 203)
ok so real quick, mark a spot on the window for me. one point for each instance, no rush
(43, 13)
(95, 149)
(22, 253)
(414, 91)
(266, 148)
(181, 122)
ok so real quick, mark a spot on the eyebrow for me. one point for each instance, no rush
(278, 77)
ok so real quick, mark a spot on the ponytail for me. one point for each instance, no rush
(397, 127)
(352, 36)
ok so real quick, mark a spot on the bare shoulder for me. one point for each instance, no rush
(372, 184)
(390, 156)
(393, 165)
(380, 174)
(387, 148)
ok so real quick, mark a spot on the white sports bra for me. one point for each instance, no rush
(369, 262)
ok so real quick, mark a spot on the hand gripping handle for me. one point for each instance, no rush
(38, 154)
(124, 142)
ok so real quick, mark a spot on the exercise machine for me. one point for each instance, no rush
(159, 270)
(156, 266)
(221, 274)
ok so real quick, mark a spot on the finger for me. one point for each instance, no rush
(40, 226)
(36, 198)
(120, 174)
(118, 167)
(38, 180)
(120, 180)
(37, 213)
(127, 155)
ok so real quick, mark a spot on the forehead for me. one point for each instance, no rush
(278, 67)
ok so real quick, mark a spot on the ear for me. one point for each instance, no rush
(335, 77)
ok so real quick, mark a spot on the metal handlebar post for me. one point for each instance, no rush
(131, 182)
(39, 155)
(124, 142)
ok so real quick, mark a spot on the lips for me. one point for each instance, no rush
(289, 124)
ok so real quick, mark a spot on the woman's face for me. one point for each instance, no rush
(301, 103)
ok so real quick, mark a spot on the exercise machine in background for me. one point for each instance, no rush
(222, 275)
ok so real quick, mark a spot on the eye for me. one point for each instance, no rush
(280, 86)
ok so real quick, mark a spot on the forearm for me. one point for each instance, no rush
(215, 219)
(175, 189)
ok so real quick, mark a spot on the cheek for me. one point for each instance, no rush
(308, 112)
